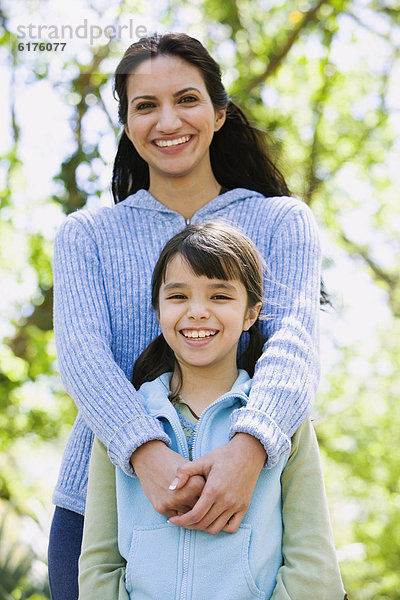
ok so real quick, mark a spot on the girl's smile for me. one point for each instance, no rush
(199, 337)
(202, 319)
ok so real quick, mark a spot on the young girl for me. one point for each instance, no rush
(207, 288)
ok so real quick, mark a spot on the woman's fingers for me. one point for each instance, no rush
(233, 524)
(156, 466)
(187, 470)
(231, 472)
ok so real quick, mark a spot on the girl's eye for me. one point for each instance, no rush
(221, 297)
(176, 297)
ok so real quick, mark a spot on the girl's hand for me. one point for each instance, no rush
(231, 473)
(156, 466)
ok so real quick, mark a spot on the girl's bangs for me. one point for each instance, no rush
(210, 262)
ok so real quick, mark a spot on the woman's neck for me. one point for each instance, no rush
(201, 387)
(184, 194)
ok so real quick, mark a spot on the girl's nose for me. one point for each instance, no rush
(197, 311)
(168, 121)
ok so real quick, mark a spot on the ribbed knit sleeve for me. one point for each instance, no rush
(287, 373)
(105, 397)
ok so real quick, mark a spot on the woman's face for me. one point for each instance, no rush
(171, 119)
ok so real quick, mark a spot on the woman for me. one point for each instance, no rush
(187, 154)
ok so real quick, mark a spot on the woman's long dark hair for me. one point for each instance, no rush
(218, 251)
(239, 152)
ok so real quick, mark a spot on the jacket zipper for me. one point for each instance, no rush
(185, 569)
(207, 412)
(186, 541)
(183, 443)
(186, 532)
(187, 221)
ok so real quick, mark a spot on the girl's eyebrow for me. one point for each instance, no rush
(175, 94)
(174, 284)
(220, 285)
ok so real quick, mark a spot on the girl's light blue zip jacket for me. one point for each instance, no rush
(171, 563)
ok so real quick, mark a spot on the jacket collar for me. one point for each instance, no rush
(155, 393)
(145, 201)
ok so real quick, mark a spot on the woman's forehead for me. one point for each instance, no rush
(163, 74)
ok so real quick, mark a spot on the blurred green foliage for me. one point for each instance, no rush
(304, 72)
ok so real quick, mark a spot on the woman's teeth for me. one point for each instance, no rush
(166, 143)
(198, 333)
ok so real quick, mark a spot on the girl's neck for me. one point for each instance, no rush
(200, 387)
(184, 194)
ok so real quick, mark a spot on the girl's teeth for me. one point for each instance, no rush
(164, 143)
(197, 334)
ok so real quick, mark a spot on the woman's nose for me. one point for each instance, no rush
(168, 120)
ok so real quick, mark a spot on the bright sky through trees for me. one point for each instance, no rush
(324, 78)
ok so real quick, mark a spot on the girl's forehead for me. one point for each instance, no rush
(179, 271)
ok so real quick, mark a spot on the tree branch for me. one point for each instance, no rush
(277, 58)
(362, 251)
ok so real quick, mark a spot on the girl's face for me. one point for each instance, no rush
(202, 319)
(171, 119)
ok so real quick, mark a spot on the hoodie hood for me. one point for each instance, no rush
(145, 201)
(155, 393)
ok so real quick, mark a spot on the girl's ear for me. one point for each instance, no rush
(251, 316)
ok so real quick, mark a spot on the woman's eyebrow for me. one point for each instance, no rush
(175, 94)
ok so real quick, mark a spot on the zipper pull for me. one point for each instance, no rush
(187, 221)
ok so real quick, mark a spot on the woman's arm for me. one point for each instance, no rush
(107, 400)
(101, 567)
(310, 568)
(111, 407)
(287, 373)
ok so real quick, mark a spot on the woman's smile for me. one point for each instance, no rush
(173, 145)
(169, 112)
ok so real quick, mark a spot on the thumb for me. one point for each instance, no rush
(184, 472)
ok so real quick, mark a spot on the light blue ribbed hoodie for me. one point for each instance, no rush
(171, 563)
(103, 320)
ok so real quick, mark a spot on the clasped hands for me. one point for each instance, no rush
(211, 493)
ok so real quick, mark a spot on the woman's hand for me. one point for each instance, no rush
(156, 466)
(231, 472)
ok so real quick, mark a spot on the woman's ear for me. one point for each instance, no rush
(220, 117)
(126, 130)
(251, 316)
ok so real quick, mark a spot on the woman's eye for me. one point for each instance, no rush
(221, 297)
(144, 105)
(187, 99)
